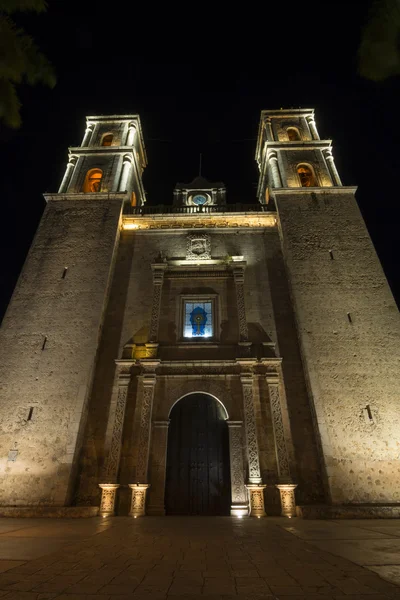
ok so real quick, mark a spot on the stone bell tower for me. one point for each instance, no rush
(347, 320)
(50, 333)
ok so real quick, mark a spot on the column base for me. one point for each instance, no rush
(108, 496)
(240, 510)
(256, 493)
(151, 350)
(288, 501)
(138, 503)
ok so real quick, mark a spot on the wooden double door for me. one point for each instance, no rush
(198, 470)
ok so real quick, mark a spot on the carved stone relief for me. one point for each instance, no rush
(251, 430)
(198, 247)
(144, 434)
(236, 462)
(112, 461)
(279, 432)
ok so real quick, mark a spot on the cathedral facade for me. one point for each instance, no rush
(203, 357)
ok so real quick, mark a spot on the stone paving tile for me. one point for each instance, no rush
(221, 559)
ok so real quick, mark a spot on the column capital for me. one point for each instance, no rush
(159, 268)
(149, 379)
(247, 379)
(233, 424)
(161, 424)
(272, 154)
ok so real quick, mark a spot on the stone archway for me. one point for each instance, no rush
(198, 465)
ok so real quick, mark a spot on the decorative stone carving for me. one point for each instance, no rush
(198, 247)
(288, 502)
(279, 433)
(149, 382)
(239, 505)
(238, 274)
(158, 279)
(158, 467)
(138, 502)
(108, 496)
(112, 461)
(251, 429)
(256, 493)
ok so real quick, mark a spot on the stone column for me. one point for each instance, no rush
(131, 134)
(332, 167)
(158, 280)
(158, 467)
(139, 489)
(313, 127)
(268, 129)
(113, 445)
(88, 135)
(254, 486)
(273, 162)
(239, 505)
(68, 174)
(126, 171)
(286, 486)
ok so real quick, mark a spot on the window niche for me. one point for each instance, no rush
(93, 179)
(198, 318)
(107, 139)
(293, 134)
(306, 175)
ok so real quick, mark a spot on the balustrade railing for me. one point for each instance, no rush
(163, 209)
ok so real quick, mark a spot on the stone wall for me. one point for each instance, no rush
(271, 329)
(349, 330)
(48, 347)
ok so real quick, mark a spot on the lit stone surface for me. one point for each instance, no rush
(300, 351)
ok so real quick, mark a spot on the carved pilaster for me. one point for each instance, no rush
(138, 502)
(108, 496)
(282, 457)
(158, 467)
(238, 274)
(158, 279)
(286, 486)
(288, 502)
(239, 506)
(251, 429)
(114, 429)
(256, 493)
(148, 382)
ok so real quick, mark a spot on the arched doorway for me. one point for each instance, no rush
(198, 472)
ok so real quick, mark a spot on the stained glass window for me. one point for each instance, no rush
(198, 319)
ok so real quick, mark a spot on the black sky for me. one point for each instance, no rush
(199, 81)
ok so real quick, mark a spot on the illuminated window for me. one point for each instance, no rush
(306, 175)
(198, 317)
(293, 134)
(93, 181)
(107, 139)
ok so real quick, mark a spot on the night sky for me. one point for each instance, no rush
(199, 81)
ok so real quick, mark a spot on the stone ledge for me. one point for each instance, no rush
(349, 511)
(56, 512)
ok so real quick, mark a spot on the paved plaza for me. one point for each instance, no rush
(188, 557)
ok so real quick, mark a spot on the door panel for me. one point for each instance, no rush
(198, 473)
